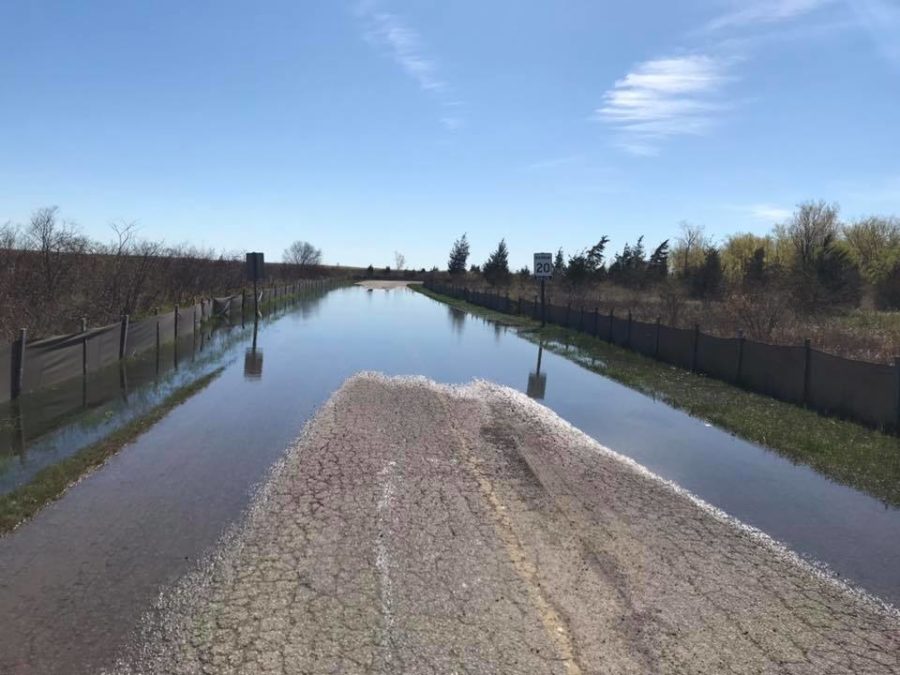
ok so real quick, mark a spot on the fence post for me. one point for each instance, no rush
(176, 321)
(83, 346)
(628, 334)
(581, 320)
(18, 365)
(596, 321)
(740, 363)
(568, 313)
(656, 347)
(123, 337)
(696, 346)
(156, 313)
(897, 408)
(612, 314)
(807, 358)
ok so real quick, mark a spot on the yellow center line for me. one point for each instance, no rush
(553, 623)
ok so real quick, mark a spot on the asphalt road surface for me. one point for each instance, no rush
(415, 528)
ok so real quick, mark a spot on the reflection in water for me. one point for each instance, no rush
(537, 381)
(42, 427)
(457, 319)
(253, 358)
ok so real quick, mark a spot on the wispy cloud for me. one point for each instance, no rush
(390, 32)
(554, 162)
(769, 213)
(663, 98)
(747, 13)
(881, 19)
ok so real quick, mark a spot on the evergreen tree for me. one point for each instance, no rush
(629, 266)
(706, 280)
(496, 269)
(658, 265)
(459, 255)
(595, 254)
(559, 263)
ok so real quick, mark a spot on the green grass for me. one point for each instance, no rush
(844, 451)
(51, 482)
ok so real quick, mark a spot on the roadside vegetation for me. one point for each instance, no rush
(813, 276)
(848, 453)
(52, 275)
(51, 482)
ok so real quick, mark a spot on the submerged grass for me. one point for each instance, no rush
(51, 482)
(846, 452)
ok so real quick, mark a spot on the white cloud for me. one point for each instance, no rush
(663, 98)
(769, 213)
(405, 46)
(749, 12)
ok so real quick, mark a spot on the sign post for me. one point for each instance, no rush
(255, 272)
(543, 270)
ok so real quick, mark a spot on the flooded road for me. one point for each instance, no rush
(77, 579)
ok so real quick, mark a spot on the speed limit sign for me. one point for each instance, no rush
(543, 265)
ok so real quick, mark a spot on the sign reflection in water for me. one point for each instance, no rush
(537, 381)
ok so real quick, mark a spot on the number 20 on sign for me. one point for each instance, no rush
(543, 265)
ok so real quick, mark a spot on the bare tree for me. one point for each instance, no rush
(57, 244)
(399, 261)
(689, 246)
(302, 253)
(810, 229)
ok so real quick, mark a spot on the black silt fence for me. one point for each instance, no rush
(868, 393)
(28, 366)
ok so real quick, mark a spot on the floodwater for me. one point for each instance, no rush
(76, 579)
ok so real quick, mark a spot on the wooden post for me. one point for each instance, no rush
(568, 312)
(176, 323)
(656, 348)
(807, 358)
(696, 347)
(596, 321)
(609, 337)
(123, 337)
(84, 347)
(628, 334)
(543, 304)
(897, 407)
(740, 364)
(581, 320)
(18, 364)
(157, 340)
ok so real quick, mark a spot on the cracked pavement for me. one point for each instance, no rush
(418, 528)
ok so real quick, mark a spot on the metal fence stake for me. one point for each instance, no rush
(656, 347)
(18, 369)
(123, 337)
(807, 359)
(897, 407)
(696, 347)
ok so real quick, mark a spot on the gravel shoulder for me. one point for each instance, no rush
(418, 528)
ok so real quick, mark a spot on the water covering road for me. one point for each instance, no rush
(77, 579)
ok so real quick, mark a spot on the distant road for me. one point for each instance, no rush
(385, 285)
(423, 529)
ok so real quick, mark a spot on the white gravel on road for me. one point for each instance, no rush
(419, 528)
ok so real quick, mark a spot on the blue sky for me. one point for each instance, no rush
(373, 126)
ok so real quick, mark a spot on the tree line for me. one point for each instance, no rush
(52, 275)
(814, 257)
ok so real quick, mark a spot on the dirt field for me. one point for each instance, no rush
(416, 528)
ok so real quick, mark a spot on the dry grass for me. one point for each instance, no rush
(767, 316)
